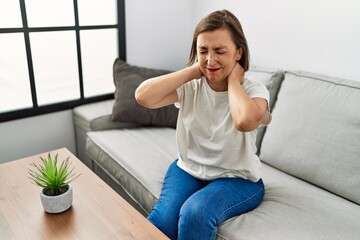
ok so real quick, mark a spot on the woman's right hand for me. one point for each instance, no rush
(197, 71)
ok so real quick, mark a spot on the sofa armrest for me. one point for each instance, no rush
(83, 117)
(93, 117)
(105, 123)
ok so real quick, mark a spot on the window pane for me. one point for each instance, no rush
(45, 13)
(15, 90)
(98, 50)
(10, 16)
(97, 12)
(55, 66)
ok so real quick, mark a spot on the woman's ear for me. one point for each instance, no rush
(239, 54)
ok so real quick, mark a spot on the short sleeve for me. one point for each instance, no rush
(256, 90)
(180, 94)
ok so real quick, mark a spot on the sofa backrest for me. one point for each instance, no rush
(315, 132)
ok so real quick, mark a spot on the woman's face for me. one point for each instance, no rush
(217, 55)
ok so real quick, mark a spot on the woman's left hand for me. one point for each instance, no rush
(237, 73)
(247, 113)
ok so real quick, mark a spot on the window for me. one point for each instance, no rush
(57, 54)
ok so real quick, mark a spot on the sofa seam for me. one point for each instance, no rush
(323, 80)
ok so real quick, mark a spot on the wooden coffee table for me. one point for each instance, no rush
(98, 212)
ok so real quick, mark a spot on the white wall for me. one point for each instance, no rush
(321, 36)
(30, 136)
(159, 32)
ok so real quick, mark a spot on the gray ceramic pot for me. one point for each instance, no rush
(57, 204)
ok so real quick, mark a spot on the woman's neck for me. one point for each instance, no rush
(221, 86)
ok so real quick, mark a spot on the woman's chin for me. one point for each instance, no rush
(214, 79)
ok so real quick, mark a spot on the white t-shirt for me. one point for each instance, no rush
(209, 145)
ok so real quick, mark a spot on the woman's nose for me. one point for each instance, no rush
(211, 59)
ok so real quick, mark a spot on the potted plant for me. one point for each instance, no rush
(56, 194)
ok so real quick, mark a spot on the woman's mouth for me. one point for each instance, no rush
(213, 69)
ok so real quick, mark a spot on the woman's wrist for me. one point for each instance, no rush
(194, 72)
(236, 75)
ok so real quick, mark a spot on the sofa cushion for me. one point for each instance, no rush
(126, 109)
(296, 210)
(136, 158)
(315, 132)
(292, 209)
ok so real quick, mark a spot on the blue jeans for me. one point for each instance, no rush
(190, 208)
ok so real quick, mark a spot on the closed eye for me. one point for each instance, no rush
(202, 52)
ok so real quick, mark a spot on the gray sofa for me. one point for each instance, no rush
(310, 158)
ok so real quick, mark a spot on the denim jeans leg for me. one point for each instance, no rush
(177, 188)
(220, 200)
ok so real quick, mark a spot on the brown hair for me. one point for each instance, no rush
(222, 19)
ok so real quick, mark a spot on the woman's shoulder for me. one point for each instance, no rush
(248, 83)
(193, 84)
(255, 89)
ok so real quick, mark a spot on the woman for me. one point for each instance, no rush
(217, 175)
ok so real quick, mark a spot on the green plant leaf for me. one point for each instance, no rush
(50, 176)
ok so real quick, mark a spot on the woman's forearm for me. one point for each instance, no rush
(160, 91)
